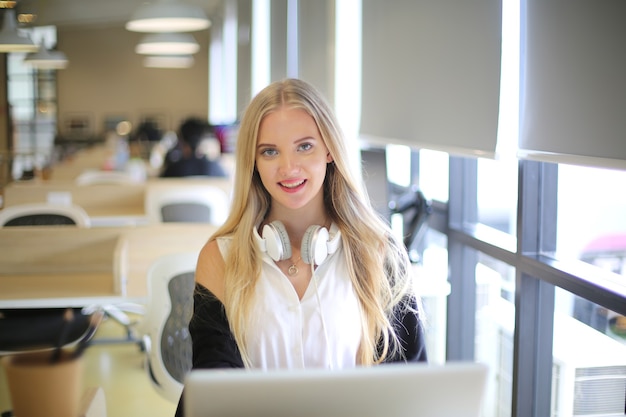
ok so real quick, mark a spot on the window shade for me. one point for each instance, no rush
(431, 74)
(316, 45)
(574, 82)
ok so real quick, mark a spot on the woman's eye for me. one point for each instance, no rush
(268, 152)
(306, 146)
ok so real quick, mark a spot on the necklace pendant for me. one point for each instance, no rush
(293, 270)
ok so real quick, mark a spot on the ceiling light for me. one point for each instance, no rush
(45, 59)
(168, 16)
(167, 44)
(10, 38)
(168, 61)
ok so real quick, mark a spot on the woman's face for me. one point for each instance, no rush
(291, 158)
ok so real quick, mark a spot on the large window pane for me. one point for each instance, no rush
(591, 227)
(434, 174)
(497, 194)
(495, 322)
(434, 288)
(589, 366)
(591, 212)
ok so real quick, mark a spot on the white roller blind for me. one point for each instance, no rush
(574, 82)
(431, 74)
(316, 44)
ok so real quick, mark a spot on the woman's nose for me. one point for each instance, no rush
(288, 163)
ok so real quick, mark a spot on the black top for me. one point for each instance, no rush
(214, 345)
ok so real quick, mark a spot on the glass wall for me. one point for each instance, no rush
(495, 322)
(549, 309)
(591, 216)
(591, 227)
(497, 194)
(433, 287)
(589, 366)
(33, 110)
(434, 174)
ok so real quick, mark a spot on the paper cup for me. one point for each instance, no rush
(39, 388)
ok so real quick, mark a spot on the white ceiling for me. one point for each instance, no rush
(65, 13)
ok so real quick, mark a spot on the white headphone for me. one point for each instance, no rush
(317, 242)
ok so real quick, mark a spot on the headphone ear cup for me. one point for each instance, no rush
(314, 249)
(277, 241)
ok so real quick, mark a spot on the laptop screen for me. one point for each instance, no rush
(395, 390)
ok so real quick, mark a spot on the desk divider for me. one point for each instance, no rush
(64, 262)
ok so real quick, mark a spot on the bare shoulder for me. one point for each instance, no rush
(210, 269)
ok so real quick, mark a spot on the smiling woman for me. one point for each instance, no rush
(304, 249)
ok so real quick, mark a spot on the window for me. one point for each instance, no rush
(32, 99)
(591, 222)
(497, 194)
(589, 364)
(434, 288)
(434, 174)
(495, 323)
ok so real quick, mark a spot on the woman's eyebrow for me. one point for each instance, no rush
(297, 141)
(304, 139)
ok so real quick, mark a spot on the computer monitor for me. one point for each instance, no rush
(394, 390)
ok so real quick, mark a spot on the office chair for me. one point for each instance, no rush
(169, 308)
(29, 330)
(191, 203)
(44, 214)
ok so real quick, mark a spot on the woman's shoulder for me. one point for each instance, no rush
(210, 267)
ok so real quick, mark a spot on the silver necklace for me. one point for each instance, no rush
(293, 269)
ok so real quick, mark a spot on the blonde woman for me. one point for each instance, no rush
(303, 273)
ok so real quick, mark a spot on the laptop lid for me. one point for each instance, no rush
(395, 390)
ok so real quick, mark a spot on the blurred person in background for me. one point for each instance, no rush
(197, 152)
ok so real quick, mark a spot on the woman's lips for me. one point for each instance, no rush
(292, 186)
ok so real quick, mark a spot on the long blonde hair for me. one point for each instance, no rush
(377, 262)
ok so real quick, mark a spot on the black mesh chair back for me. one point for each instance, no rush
(41, 220)
(175, 339)
(186, 212)
(166, 338)
(44, 214)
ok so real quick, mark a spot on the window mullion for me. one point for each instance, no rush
(534, 299)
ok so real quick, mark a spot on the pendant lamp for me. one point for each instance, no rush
(168, 16)
(167, 44)
(45, 59)
(168, 61)
(10, 39)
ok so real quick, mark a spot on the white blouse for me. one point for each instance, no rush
(322, 330)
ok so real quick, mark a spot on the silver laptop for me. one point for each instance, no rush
(455, 389)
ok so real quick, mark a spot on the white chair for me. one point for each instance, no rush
(44, 214)
(191, 203)
(165, 327)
